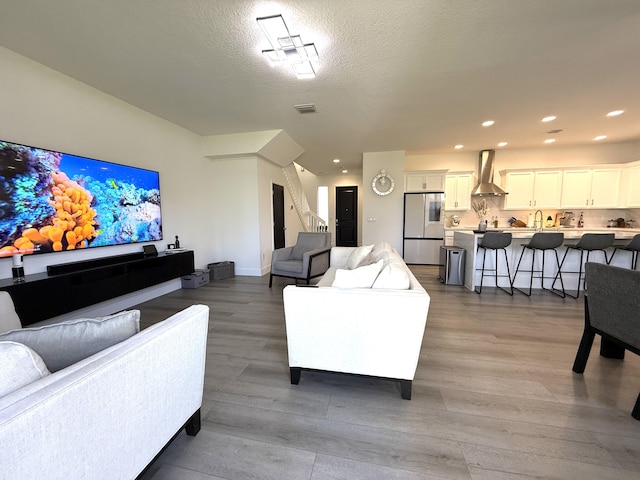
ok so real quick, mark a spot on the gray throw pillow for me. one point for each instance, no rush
(63, 344)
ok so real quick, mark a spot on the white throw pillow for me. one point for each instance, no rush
(63, 344)
(358, 256)
(394, 277)
(361, 277)
(19, 366)
(8, 317)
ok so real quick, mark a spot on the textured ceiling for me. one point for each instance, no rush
(414, 75)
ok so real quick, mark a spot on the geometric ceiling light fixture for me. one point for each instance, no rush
(287, 49)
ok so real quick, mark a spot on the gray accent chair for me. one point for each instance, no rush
(612, 310)
(307, 259)
(634, 247)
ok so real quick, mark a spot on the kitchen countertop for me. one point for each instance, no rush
(569, 232)
(464, 237)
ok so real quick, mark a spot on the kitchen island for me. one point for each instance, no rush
(467, 239)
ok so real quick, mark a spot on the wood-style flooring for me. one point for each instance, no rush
(494, 396)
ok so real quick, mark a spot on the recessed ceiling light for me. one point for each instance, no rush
(550, 118)
(600, 137)
(458, 147)
(550, 140)
(488, 123)
(615, 113)
(336, 160)
(345, 171)
(503, 144)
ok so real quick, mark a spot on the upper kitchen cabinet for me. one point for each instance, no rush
(531, 189)
(630, 182)
(457, 190)
(591, 188)
(428, 180)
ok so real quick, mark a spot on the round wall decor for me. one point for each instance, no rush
(383, 183)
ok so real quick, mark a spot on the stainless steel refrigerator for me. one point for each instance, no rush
(423, 231)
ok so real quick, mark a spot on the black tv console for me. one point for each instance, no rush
(70, 286)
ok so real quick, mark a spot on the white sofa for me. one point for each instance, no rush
(109, 415)
(368, 331)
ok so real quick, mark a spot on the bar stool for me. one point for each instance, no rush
(495, 241)
(634, 247)
(542, 242)
(590, 242)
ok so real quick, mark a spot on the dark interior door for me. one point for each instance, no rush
(347, 216)
(278, 216)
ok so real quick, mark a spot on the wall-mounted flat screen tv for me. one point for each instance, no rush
(52, 201)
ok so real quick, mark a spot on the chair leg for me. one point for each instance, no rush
(610, 349)
(635, 413)
(561, 293)
(584, 349)
(506, 263)
(581, 264)
(515, 274)
(586, 342)
(559, 274)
(478, 289)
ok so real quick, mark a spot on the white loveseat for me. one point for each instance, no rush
(367, 331)
(109, 415)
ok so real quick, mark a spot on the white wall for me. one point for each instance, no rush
(234, 205)
(341, 180)
(44, 108)
(386, 211)
(268, 174)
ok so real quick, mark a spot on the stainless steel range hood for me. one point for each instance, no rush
(485, 186)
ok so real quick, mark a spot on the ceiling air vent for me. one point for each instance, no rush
(557, 130)
(305, 108)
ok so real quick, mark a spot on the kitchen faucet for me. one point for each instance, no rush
(537, 225)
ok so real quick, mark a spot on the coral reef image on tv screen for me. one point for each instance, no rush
(51, 201)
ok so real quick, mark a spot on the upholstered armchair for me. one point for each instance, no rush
(612, 310)
(307, 259)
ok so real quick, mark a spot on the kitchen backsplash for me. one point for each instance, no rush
(594, 218)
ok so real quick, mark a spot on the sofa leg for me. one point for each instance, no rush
(405, 389)
(192, 426)
(295, 375)
(270, 280)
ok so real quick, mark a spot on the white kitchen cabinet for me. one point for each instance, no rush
(457, 191)
(591, 188)
(428, 180)
(632, 184)
(532, 189)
